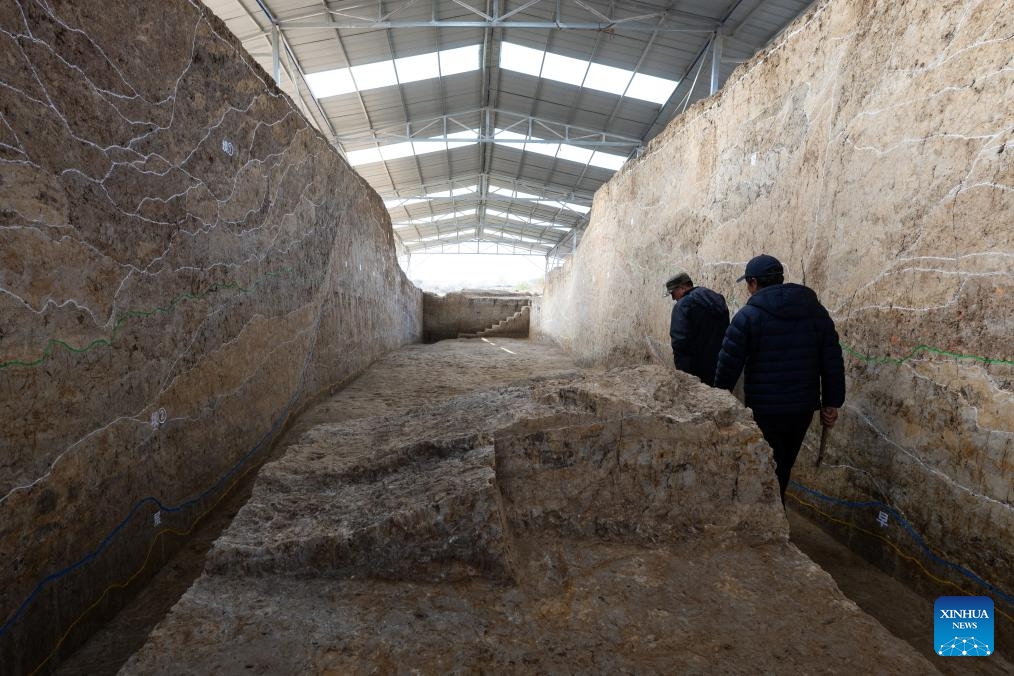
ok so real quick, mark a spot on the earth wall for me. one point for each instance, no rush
(868, 148)
(447, 316)
(184, 263)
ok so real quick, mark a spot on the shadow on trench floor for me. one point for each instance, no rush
(904, 612)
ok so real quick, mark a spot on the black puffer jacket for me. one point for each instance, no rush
(788, 344)
(696, 329)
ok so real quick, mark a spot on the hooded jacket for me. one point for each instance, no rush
(696, 329)
(786, 341)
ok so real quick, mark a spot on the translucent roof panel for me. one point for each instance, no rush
(460, 60)
(584, 73)
(518, 110)
(608, 79)
(402, 70)
(574, 154)
(415, 68)
(521, 59)
(331, 83)
(434, 219)
(563, 69)
(651, 88)
(506, 215)
(561, 151)
(394, 151)
(374, 75)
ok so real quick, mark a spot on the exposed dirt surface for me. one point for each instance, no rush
(868, 148)
(536, 597)
(401, 380)
(904, 612)
(184, 262)
(619, 521)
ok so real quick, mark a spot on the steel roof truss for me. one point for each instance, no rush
(666, 20)
(561, 132)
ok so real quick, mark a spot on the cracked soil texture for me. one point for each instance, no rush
(571, 521)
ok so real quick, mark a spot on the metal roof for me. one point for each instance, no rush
(486, 195)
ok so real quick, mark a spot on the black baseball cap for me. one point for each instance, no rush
(762, 266)
(677, 280)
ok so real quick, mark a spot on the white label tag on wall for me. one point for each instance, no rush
(157, 519)
(882, 519)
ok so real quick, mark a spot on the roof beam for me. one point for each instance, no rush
(610, 27)
(552, 131)
(448, 219)
(374, 16)
(498, 181)
(490, 197)
(512, 245)
(277, 42)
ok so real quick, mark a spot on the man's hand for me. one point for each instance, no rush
(828, 416)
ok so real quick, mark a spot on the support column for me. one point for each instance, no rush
(275, 60)
(716, 62)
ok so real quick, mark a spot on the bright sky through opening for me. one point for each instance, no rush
(443, 272)
(588, 74)
(398, 71)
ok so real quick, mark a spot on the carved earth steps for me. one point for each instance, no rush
(623, 521)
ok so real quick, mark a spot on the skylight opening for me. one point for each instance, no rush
(651, 88)
(415, 68)
(500, 191)
(563, 151)
(607, 79)
(577, 208)
(454, 192)
(521, 59)
(460, 60)
(509, 192)
(607, 160)
(564, 69)
(399, 71)
(407, 201)
(525, 220)
(575, 154)
(578, 72)
(519, 238)
(374, 75)
(331, 83)
(434, 219)
(394, 151)
(468, 232)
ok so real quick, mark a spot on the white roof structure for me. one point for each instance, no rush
(487, 125)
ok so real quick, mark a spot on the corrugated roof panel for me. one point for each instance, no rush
(298, 38)
(230, 12)
(320, 54)
(666, 54)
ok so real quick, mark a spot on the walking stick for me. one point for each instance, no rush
(824, 434)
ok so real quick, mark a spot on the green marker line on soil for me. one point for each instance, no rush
(922, 348)
(53, 343)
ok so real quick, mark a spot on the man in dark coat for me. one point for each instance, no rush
(787, 342)
(699, 319)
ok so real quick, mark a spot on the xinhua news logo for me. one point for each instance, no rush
(963, 626)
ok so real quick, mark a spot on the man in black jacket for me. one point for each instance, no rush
(787, 342)
(699, 319)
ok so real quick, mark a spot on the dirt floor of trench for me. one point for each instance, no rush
(442, 370)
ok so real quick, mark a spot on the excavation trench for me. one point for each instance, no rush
(487, 504)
